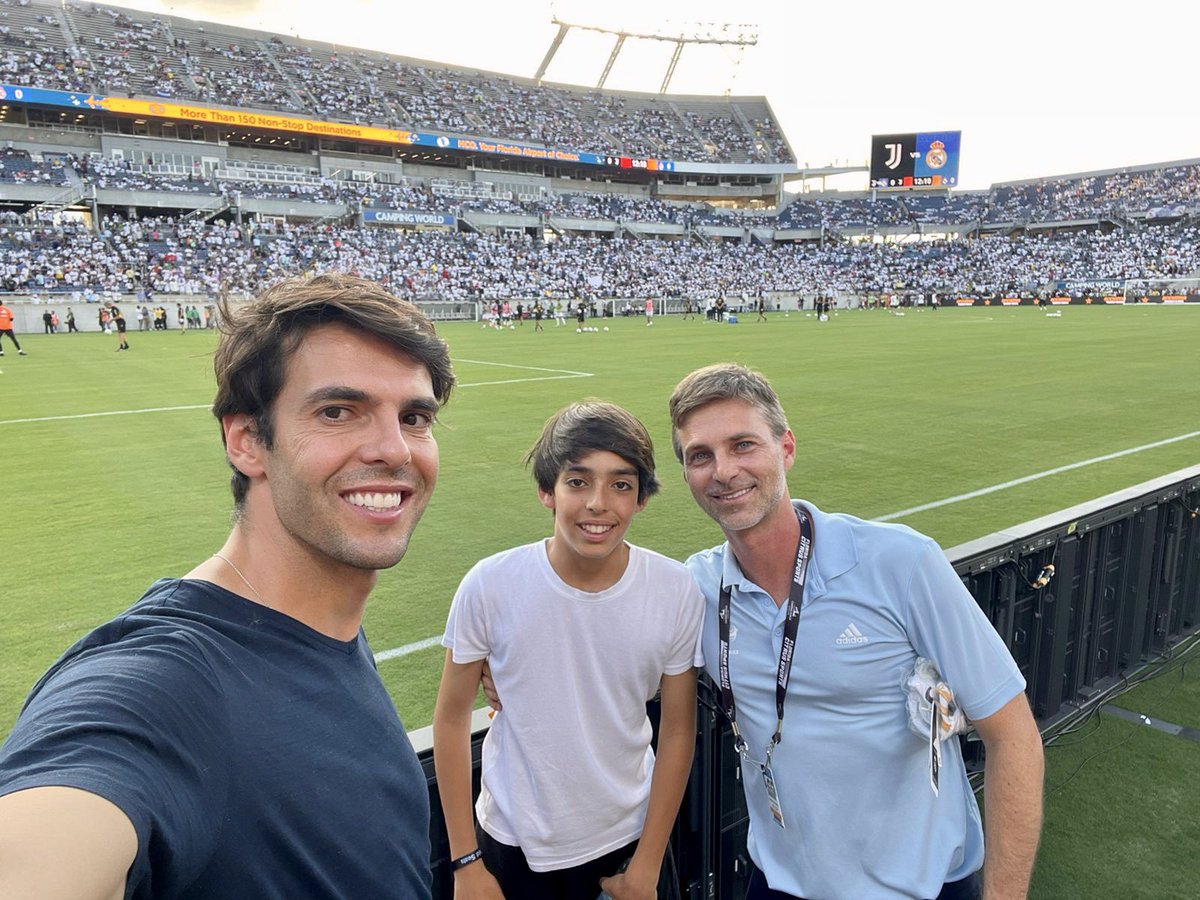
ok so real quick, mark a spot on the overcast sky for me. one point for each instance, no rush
(1037, 88)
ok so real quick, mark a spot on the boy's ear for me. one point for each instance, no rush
(546, 498)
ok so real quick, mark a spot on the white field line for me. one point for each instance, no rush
(557, 375)
(564, 373)
(480, 362)
(435, 641)
(526, 380)
(397, 652)
(115, 412)
(1025, 480)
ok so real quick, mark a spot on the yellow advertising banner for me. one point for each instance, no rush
(248, 119)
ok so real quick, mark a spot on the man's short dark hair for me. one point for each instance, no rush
(258, 339)
(589, 425)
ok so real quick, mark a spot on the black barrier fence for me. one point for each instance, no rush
(1124, 589)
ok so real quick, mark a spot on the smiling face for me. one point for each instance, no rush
(594, 501)
(734, 465)
(354, 460)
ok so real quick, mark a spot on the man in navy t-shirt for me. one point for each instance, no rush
(228, 735)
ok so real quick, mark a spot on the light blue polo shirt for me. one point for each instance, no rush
(862, 820)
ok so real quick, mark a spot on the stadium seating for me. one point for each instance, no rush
(1126, 224)
(105, 50)
(191, 256)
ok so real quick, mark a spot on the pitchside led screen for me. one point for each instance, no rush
(906, 161)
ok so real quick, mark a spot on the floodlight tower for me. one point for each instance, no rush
(726, 34)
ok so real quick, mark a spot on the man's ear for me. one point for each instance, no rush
(547, 499)
(242, 445)
(789, 449)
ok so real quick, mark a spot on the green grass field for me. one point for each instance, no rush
(890, 413)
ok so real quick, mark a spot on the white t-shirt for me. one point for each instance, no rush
(567, 763)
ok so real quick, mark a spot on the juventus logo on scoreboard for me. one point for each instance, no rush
(895, 155)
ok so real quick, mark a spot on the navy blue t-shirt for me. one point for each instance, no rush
(254, 756)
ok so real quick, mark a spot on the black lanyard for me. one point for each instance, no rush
(804, 551)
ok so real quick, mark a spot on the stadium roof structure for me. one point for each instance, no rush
(127, 62)
(744, 36)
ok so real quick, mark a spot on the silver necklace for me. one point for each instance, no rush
(245, 579)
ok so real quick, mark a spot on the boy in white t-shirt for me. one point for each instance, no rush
(579, 631)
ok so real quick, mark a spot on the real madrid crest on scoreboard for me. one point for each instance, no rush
(907, 161)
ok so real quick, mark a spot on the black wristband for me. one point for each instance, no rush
(456, 864)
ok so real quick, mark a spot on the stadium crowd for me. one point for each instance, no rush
(172, 255)
(102, 50)
(1120, 193)
(1165, 192)
(18, 167)
(91, 47)
(120, 175)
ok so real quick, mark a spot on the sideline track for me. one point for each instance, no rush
(417, 646)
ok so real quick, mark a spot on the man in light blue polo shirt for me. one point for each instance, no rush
(813, 623)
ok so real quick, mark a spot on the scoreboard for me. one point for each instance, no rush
(928, 160)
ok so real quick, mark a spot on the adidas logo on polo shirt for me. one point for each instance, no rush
(851, 636)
